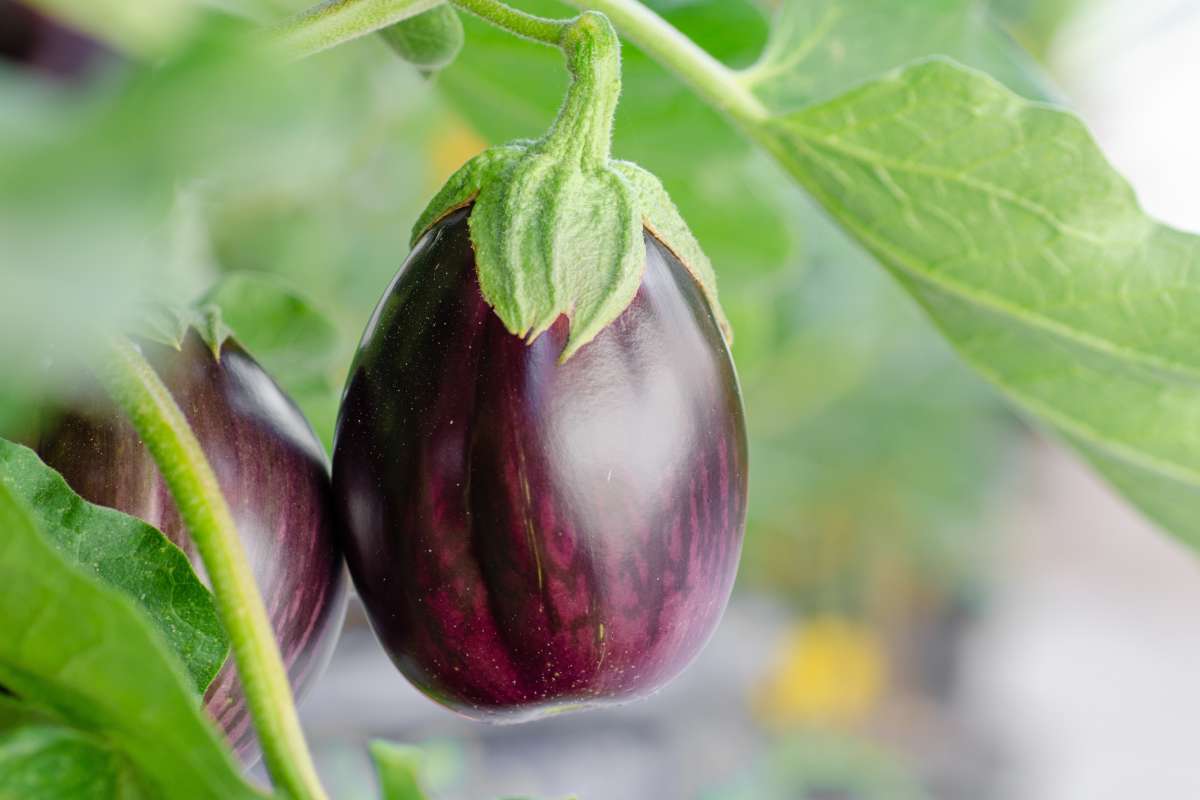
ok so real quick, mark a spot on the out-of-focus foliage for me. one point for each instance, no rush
(1035, 23)
(817, 766)
(428, 41)
(96, 178)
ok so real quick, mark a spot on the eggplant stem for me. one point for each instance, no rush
(136, 388)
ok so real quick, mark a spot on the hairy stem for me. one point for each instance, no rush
(135, 387)
(540, 29)
(715, 83)
(584, 124)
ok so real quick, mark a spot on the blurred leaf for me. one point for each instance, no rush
(399, 769)
(127, 554)
(86, 653)
(819, 49)
(873, 446)
(1031, 254)
(89, 175)
(817, 766)
(293, 341)
(1035, 22)
(45, 761)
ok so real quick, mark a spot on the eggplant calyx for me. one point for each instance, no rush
(169, 324)
(557, 225)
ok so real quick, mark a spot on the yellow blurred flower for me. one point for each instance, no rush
(829, 671)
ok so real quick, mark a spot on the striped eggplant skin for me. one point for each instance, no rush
(529, 536)
(273, 472)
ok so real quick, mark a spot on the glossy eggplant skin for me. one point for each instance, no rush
(273, 472)
(529, 536)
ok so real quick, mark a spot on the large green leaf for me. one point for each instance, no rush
(85, 652)
(293, 341)
(127, 554)
(1031, 254)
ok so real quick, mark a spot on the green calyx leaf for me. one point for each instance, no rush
(557, 225)
(169, 325)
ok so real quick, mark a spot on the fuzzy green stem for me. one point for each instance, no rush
(338, 21)
(717, 84)
(529, 26)
(134, 386)
(583, 127)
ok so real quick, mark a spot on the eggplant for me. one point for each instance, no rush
(273, 472)
(529, 536)
(30, 39)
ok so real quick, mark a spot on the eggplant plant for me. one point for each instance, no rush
(539, 474)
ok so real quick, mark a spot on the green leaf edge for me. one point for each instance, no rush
(176, 561)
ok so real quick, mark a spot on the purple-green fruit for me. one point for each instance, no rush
(529, 536)
(273, 473)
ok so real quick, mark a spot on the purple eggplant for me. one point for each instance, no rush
(530, 536)
(273, 472)
(32, 40)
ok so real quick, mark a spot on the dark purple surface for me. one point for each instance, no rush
(528, 536)
(272, 471)
(36, 41)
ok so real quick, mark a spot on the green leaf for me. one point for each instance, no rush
(50, 761)
(85, 652)
(818, 49)
(1030, 252)
(399, 769)
(429, 41)
(127, 554)
(285, 333)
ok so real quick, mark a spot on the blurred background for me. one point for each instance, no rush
(934, 600)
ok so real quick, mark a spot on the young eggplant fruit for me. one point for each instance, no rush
(273, 473)
(540, 461)
(529, 535)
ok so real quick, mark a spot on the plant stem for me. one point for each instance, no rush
(338, 21)
(710, 79)
(539, 29)
(135, 387)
